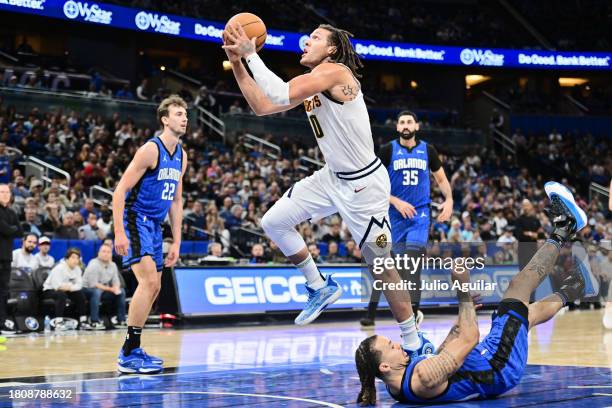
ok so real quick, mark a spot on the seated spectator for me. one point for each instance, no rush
(91, 231)
(196, 218)
(31, 223)
(42, 258)
(257, 255)
(455, 233)
(234, 220)
(351, 253)
(23, 257)
(52, 219)
(215, 252)
(332, 253)
(125, 93)
(105, 221)
(507, 237)
(88, 208)
(67, 230)
(315, 252)
(276, 255)
(334, 233)
(65, 282)
(101, 281)
(20, 191)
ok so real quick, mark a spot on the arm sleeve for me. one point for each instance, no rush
(385, 154)
(434, 159)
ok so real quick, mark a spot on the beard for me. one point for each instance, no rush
(407, 135)
(28, 250)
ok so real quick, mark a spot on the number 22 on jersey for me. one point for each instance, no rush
(168, 191)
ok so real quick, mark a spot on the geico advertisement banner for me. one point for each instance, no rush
(204, 30)
(260, 289)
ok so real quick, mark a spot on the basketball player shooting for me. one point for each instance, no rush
(464, 369)
(150, 189)
(353, 182)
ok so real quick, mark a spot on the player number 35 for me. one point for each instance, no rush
(168, 191)
(411, 178)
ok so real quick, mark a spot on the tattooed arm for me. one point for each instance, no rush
(430, 376)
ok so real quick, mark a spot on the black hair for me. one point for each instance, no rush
(367, 360)
(344, 53)
(30, 234)
(71, 251)
(407, 113)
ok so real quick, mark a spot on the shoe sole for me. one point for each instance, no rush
(581, 259)
(127, 370)
(553, 189)
(419, 318)
(321, 308)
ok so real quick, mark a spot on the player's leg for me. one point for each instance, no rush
(567, 218)
(141, 253)
(366, 217)
(307, 199)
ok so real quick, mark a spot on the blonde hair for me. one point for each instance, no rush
(164, 107)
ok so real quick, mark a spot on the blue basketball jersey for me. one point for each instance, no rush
(154, 192)
(409, 174)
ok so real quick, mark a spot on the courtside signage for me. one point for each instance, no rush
(203, 30)
(245, 290)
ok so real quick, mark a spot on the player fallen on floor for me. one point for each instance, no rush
(464, 368)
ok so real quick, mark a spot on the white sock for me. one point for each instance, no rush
(410, 338)
(309, 268)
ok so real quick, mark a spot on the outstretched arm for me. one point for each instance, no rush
(431, 375)
(267, 93)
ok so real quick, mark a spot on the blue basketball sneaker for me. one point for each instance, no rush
(568, 217)
(583, 267)
(318, 300)
(137, 362)
(427, 347)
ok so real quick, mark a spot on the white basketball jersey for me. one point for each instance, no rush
(342, 130)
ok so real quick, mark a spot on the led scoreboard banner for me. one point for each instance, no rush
(204, 30)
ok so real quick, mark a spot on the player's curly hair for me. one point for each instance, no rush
(344, 53)
(367, 360)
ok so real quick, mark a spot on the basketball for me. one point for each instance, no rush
(253, 27)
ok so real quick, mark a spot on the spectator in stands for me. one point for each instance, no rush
(527, 227)
(52, 219)
(455, 233)
(9, 229)
(141, 90)
(234, 220)
(226, 208)
(332, 253)
(499, 221)
(235, 109)
(42, 259)
(334, 232)
(89, 207)
(5, 165)
(125, 93)
(23, 257)
(101, 282)
(215, 227)
(91, 231)
(105, 221)
(31, 224)
(351, 255)
(507, 237)
(20, 191)
(65, 282)
(196, 218)
(486, 234)
(204, 99)
(257, 255)
(215, 252)
(276, 255)
(246, 192)
(315, 252)
(67, 230)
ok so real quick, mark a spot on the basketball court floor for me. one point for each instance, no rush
(570, 365)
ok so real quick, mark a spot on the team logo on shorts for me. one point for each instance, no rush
(381, 240)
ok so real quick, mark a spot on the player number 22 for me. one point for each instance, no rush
(411, 177)
(168, 191)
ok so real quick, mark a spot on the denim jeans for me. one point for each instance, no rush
(96, 295)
